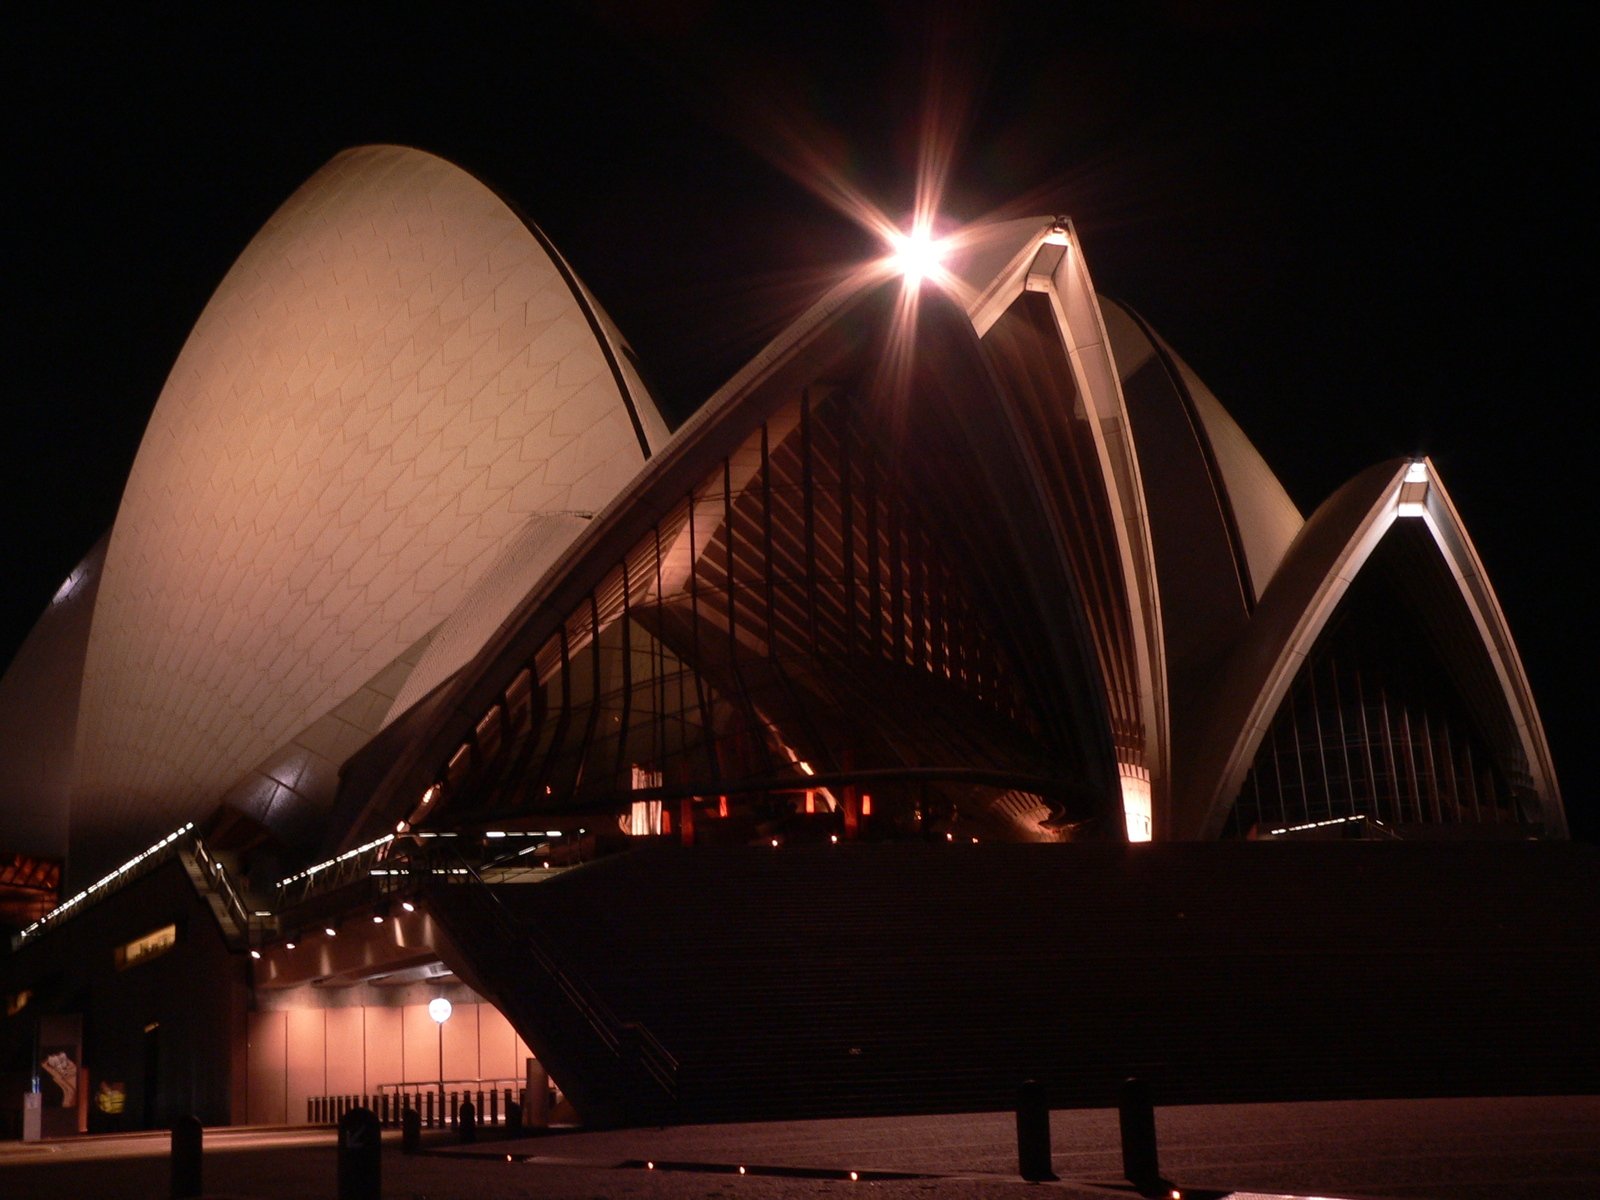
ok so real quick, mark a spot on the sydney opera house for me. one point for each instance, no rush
(791, 761)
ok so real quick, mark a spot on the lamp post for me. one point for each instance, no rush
(439, 1010)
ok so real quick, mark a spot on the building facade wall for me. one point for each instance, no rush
(296, 1053)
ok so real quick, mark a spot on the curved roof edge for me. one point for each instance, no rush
(1318, 569)
(1267, 520)
(648, 424)
(39, 695)
(393, 374)
(994, 265)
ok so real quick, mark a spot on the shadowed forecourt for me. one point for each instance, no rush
(1469, 1149)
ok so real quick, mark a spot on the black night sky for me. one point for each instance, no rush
(1366, 232)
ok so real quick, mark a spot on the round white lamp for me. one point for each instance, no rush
(439, 1010)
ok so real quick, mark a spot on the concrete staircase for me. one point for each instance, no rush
(837, 980)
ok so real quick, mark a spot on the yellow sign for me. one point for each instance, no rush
(148, 946)
(111, 1098)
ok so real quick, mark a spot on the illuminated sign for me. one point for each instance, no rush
(112, 1098)
(150, 945)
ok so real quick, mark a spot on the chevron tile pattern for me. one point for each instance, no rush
(390, 382)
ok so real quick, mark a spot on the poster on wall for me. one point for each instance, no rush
(61, 1075)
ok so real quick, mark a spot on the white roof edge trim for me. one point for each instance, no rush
(1451, 538)
(635, 392)
(1075, 307)
(992, 299)
(1461, 555)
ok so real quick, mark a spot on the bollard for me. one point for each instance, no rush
(469, 1120)
(494, 1106)
(186, 1157)
(410, 1130)
(1138, 1119)
(513, 1118)
(1033, 1133)
(360, 1154)
(428, 1109)
(536, 1100)
(455, 1109)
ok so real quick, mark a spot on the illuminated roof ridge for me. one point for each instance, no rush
(39, 715)
(1334, 546)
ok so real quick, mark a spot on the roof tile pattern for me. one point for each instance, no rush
(389, 382)
(38, 717)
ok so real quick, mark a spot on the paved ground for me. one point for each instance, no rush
(1469, 1149)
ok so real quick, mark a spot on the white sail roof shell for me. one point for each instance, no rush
(39, 716)
(391, 381)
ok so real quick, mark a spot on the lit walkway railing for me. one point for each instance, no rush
(216, 879)
(509, 857)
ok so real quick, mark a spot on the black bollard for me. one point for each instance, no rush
(360, 1154)
(186, 1157)
(410, 1130)
(1033, 1133)
(1138, 1118)
(469, 1120)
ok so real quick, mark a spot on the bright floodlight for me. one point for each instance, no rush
(916, 255)
(439, 1009)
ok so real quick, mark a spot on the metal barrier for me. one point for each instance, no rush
(628, 1040)
(492, 1098)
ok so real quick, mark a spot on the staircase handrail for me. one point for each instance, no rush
(181, 841)
(617, 1035)
(217, 877)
